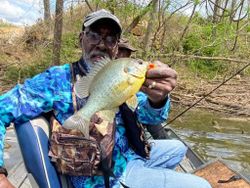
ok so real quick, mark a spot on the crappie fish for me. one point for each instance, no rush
(109, 84)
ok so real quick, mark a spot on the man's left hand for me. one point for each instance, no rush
(160, 81)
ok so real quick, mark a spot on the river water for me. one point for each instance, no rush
(213, 135)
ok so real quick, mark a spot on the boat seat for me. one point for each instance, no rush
(34, 144)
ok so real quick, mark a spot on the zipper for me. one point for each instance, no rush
(62, 139)
(73, 138)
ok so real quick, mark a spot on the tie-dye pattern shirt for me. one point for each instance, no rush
(51, 90)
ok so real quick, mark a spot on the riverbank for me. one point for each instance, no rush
(233, 98)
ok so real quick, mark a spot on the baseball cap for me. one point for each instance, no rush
(99, 15)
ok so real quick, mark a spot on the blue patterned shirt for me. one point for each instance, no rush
(52, 90)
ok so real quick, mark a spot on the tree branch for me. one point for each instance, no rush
(203, 57)
(90, 8)
(137, 19)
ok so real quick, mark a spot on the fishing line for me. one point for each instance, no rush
(187, 109)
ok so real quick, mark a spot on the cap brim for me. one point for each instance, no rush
(126, 46)
(97, 18)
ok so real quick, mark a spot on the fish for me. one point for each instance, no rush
(109, 84)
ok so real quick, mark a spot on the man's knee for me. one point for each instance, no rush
(177, 147)
(180, 147)
(169, 147)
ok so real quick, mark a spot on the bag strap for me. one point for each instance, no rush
(134, 131)
(73, 76)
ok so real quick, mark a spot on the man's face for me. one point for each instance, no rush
(123, 52)
(99, 41)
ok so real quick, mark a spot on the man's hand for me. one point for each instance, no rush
(160, 81)
(4, 182)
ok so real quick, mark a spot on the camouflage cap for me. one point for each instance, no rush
(125, 44)
(101, 14)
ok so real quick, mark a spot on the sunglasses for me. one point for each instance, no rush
(95, 38)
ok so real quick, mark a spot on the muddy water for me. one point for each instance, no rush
(213, 135)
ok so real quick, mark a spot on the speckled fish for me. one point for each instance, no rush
(109, 84)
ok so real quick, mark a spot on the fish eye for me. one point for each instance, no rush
(140, 62)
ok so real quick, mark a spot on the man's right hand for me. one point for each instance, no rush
(4, 182)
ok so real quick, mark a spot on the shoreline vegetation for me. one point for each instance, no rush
(205, 51)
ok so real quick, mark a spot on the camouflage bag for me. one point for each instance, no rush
(75, 155)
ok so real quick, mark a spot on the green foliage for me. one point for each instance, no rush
(208, 40)
(194, 44)
(196, 2)
(248, 28)
(191, 43)
(70, 47)
(74, 25)
(201, 43)
(198, 19)
(129, 8)
(206, 68)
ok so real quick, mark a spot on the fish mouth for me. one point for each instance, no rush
(138, 75)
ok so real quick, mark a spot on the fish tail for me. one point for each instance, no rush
(77, 121)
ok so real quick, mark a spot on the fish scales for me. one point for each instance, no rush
(108, 85)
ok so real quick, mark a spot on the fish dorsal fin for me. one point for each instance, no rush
(82, 85)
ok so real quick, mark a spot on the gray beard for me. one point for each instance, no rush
(89, 63)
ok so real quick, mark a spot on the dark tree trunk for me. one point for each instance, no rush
(237, 27)
(232, 10)
(216, 11)
(46, 4)
(224, 14)
(149, 32)
(58, 32)
(47, 17)
(90, 8)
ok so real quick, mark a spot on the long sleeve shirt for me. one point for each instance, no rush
(52, 90)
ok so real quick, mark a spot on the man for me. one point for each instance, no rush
(52, 90)
(124, 48)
